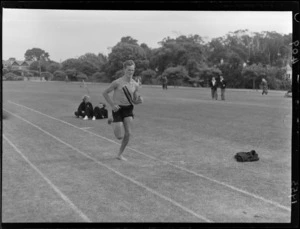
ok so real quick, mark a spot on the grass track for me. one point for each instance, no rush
(181, 126)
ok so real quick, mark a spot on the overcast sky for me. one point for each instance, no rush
(71, 33)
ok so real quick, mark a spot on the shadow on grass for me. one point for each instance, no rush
(5, 115)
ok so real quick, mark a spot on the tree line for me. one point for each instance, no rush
(242, 57)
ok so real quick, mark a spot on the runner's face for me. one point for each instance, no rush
(129, 70)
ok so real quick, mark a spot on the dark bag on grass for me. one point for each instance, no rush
(247, 156)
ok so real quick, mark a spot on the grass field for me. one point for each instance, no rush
(180, 168)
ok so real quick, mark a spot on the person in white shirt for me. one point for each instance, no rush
(214, 88)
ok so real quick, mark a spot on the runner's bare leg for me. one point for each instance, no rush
(117, 127)
(127, 129)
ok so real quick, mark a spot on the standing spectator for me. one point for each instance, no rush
(214, 88)
(66, 78)
(264, 86)
(164, 80)
(222, 86)
(85, 108)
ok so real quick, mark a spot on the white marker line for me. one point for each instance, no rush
(85, 128)
(166, 162)
(116, 172)
(63, 196)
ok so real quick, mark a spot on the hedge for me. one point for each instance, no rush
(100, 77)
(12, 77)
(81, 76)
(47, 75)
(59, 75)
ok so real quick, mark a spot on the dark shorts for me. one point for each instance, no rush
(123, 112)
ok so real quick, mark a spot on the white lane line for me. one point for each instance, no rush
(171, 164)
(85, 128)
(116, 172)
(56, 189)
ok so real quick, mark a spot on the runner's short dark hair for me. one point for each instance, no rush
(128, 63)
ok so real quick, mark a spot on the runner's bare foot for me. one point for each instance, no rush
(121, 158)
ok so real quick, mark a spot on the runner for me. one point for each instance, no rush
(124, 97)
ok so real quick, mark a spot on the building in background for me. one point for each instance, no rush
(289, 72)
(13, 64)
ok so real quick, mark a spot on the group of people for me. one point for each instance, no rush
(214, 84)
(122, 102)
(125, 96)
(86, 110)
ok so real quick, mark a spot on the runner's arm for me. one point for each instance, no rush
(106, 92)
(137, 98)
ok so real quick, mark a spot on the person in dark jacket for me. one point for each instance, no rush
(214, 87)
(222, 84)
(85, 108)
(100, 112)
(264, 86)
(164, 80)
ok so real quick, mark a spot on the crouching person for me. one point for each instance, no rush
(85, 108)
(100, 112)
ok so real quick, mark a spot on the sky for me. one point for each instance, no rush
(68, 34)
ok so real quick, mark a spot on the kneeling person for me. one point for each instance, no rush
(100, 112)
(85, 108)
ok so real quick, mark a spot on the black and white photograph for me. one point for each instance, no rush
(119, 115)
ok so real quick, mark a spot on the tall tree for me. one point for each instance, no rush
(182, 50)
(96, 60)
(128, 40)
(12, 59)
(37, 54)
(253, 73)
(124, 50)
(176, 75)
(52, 67)
(80, 65)
(71, 63)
